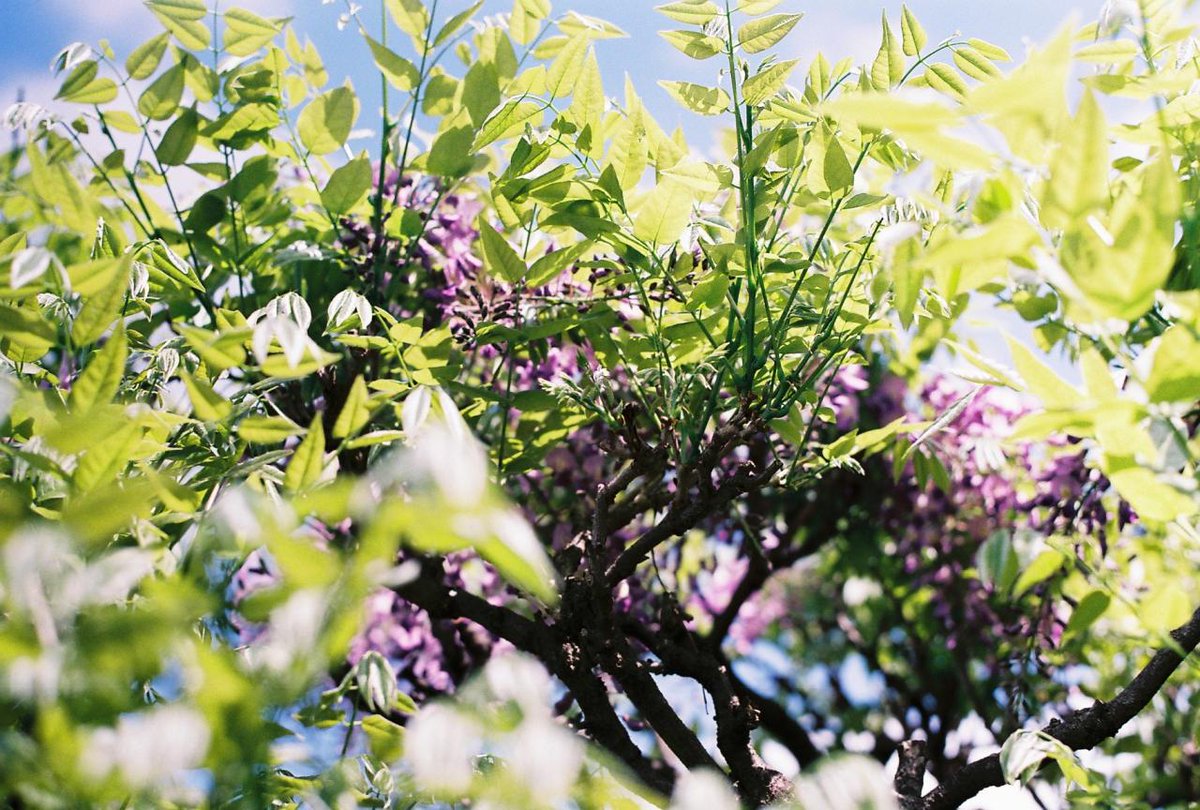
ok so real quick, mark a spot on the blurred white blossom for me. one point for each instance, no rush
(149, 749)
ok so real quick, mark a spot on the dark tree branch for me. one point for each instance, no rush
(1083, 729)
(910, 774)
(683, 516)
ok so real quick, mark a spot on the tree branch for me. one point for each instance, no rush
(1083, 729)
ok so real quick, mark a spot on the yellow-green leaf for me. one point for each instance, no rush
(695, 12)
(326, 122)
(912, 34)
(355, 412)
(308, 461)
(184, 19)
(697, 97)
(758, 35)
(101, 377)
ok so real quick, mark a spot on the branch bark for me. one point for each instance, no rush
(1084, 729)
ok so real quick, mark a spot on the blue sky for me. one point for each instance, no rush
(34, 30)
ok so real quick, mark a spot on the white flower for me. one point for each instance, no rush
(859, 590)
(440, 747)
(289, 306)
(703, 790)
(26, 115)
(150, 749)
(74, 54)
(345, 305)
(1117, 13)
(846, 783)
(522, 680)
(545, 759)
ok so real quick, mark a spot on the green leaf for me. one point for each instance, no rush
(246, 32)
(499, 257)
(107, 458)
(1152, 498)
(756, 7)
(355, 412)
(911, 32)
(268, 429)
(694, 43)
(1175, 375)
(758, 35)
(945, 79)
(160, 100)
(1168, 606)
(347, 185)
(767, 82)
(451, 154)
(524, 22)
(411, 17)
(838, 172)
(308, 462)
(103, 307)
(102, 376)
(184, 19)
(508, 120)
(975, 64)
(697, 97)
(456, 22)
(695, 12)
(326, 122)
(1078, 183)
(179, 140)
(888, 67)
(1044, 566)
(83, 87)
(550, 266)
(664, 213)
(1042, 382)
(997, 561)
(207, 404)
(146, 57)
(384, 738)
(566, 68)
(993, 52)
(1090, 608)
(399, 72)
(25, 336)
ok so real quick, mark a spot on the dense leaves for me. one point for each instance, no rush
(433, 472)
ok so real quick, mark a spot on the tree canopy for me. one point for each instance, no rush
(533, 456)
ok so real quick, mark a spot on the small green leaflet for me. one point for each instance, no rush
(499, 257)
(207, 404)
(347, 185)
(179, 140)
(355, 412)
(102, 376)
(508, 120)
(888, 67)
(246, 32)
(83, 87)
(160, 100)
(103, 306)
(183, 18)
(326, 122)
(697, 97)
(765, 84)
(694, 43)
(145, 59)
(309, 459)
(551, 265)
(696, 12)
(911, 32)
(758, 35)
(268, 429)
(399, 72)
